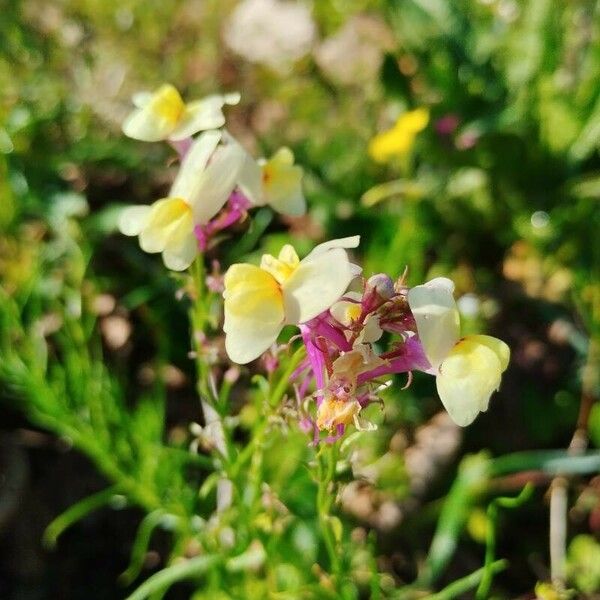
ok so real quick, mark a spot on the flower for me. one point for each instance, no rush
(163, 115)
(399, 140)
(469, 369)
(259, 301)
(199, 191)
(276, 182)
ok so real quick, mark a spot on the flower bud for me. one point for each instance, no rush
(381, 284)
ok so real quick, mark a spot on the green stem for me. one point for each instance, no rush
(199, 319)
(327, 459)
(77, 512)
(462, 586)
(178, 572)
(490, 550)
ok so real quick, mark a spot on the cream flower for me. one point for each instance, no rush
(199, 191)
(276, 182)
(163, 115)
(469, 369)
(259, 301)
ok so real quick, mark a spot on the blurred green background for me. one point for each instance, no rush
(500, 192)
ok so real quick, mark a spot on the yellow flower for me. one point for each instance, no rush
(259, 301)
(399, 140)
(199, 191)
(469, 369)
(164, 115)
(276, 182)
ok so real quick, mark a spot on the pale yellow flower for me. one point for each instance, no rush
(163, 115)
(198, 193)
(469, 369)
(276, 182)
(259, 301)
(399, 140)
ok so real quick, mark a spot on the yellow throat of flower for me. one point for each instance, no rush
(167, 104)
(282, 267)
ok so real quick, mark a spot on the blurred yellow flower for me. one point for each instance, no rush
(469, 369)
(259, 301)
(163, 115)
(399, 140)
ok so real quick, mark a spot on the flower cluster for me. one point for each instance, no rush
(342, 330)
(354, 339)
(217, 183)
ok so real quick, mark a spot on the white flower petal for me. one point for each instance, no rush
(216, 183)
(250, 181)
(200, 115)
(133, 219)
(189, 177)
(140, 99)
(437, 318)
(467, 378)
(316, 284)
(347, 242)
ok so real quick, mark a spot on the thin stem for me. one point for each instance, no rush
(326, 460)
(199, 318)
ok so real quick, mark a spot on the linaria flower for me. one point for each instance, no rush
(399, 140)
(163, 115)
(199, 191)
(276, 182)
(469, 369)
(259, 301)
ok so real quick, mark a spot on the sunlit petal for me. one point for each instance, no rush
(215, 185)
(253, 312)
(133, 219)
(347, 242)
(250, 181)
(437, 318)
(168, 222)
(282, 183)
(498, 346)
(316, 284)
(467, 378)
(157, 117)
(189, 177)
(178, 257)
(201, 115)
